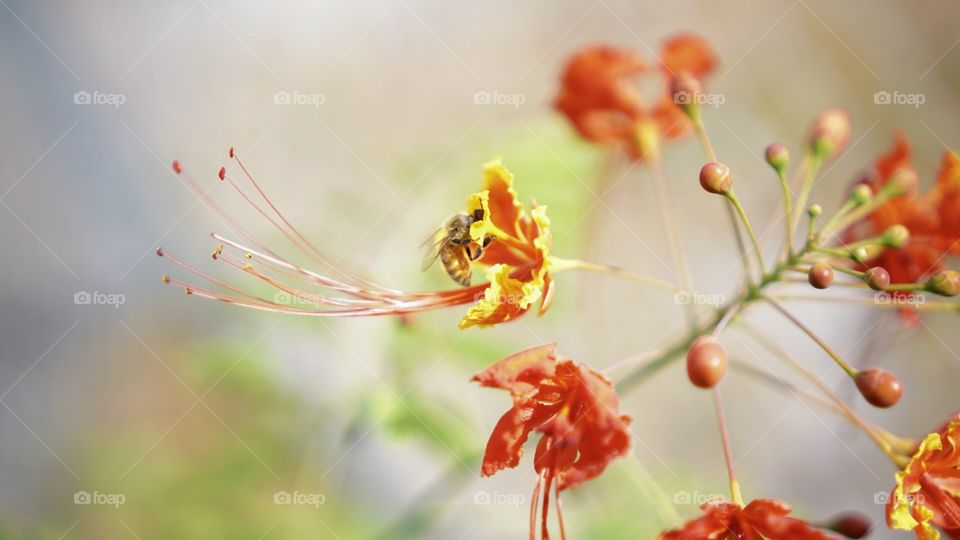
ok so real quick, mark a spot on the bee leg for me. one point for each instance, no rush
(487, 240)
(474, 253)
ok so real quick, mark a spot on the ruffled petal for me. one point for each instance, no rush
(687, 53)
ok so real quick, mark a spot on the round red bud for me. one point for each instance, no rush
(851, 525)
(879, 387)
(877, 278)
(820, 275)
(222, 173)
(777, 156)
(706, 362)
(944, 283)
(715, 178)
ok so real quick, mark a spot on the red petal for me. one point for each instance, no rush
(505, 373)
(690, 53)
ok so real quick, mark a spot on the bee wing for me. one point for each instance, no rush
(433, 251)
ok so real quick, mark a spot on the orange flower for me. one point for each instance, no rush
(574, 408)
(927, 491)
(599, 97)
(932, 217)
(759, 520)
(518, 257)
(518, 260)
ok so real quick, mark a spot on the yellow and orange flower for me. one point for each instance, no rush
(933, 218)
(762, 518)
(928, 488)
(575, 409)
(598, 93)
(518, 259)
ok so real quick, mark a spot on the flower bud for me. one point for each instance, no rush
(777, 156)
(879, 387)
(686, 90)
(830, 133)
(715, 178)
(706, 362)
(850, 524)
(945, 283)
(861, 194)
(903, 181)
(820, 275)
(860, 254)
(895, 236)
(877, 278)
(814, 211)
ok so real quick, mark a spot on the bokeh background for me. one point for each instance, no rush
(194, 414)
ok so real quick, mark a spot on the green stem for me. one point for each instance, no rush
(732, 197)
(810, 173)
(851, 371)
(559, 265)
(788, 208)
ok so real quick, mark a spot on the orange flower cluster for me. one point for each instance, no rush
(933, 218)
(574, 408)
(599, 96)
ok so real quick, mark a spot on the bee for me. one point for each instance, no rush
(454, 247)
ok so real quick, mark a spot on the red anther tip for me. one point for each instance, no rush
(160, 252)
(176, 167)
(223, 173)
(231, 152)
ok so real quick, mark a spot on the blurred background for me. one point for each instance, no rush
(148, 414)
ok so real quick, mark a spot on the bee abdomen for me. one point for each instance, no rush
(457, 265)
